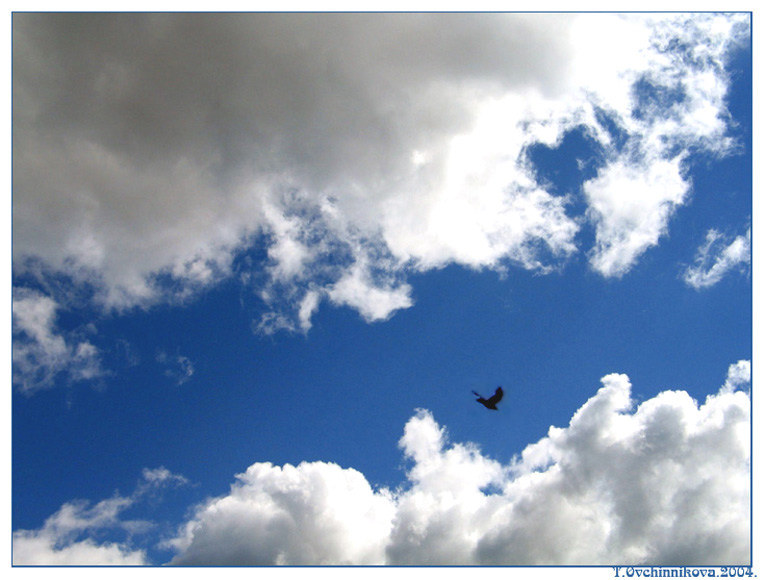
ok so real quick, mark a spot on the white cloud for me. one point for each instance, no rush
(41, 352)
(41, 549)
(159, 476)
(630, 205)
(716, 257)
(157, 147)
(664, 483)
(315, 513)
(374, 300)
(70, 537)
(676, 103)
(739, 377)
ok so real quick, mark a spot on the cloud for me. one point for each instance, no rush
(151, 150)
(40, 549)
(56, 542)
(71, 536)
(41, 353)
(739, 377)
(630, 206)
(160, 476)
(373, 300)
(315, 513)
(665, 482)
(178, 368)
(616, 486)
(717, 257)
(676, 104)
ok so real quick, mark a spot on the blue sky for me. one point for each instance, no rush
(260, 262)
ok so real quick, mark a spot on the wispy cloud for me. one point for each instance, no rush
(71, 535)
(357, 148)
(718, 256)
(178, 368)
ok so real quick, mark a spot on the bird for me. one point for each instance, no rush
(491, 402)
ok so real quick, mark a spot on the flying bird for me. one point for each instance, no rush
(491, 402)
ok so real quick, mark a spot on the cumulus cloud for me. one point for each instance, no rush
(717, 257)
(70, 537)
(41, 352)
(149, 150)
(315, 513)
(665, 482)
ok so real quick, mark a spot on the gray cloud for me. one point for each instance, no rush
(359, 147)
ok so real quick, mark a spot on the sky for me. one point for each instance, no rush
(260, 261)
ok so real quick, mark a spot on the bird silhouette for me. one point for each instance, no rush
(491, 402)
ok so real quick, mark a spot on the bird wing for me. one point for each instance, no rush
(497, 396)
